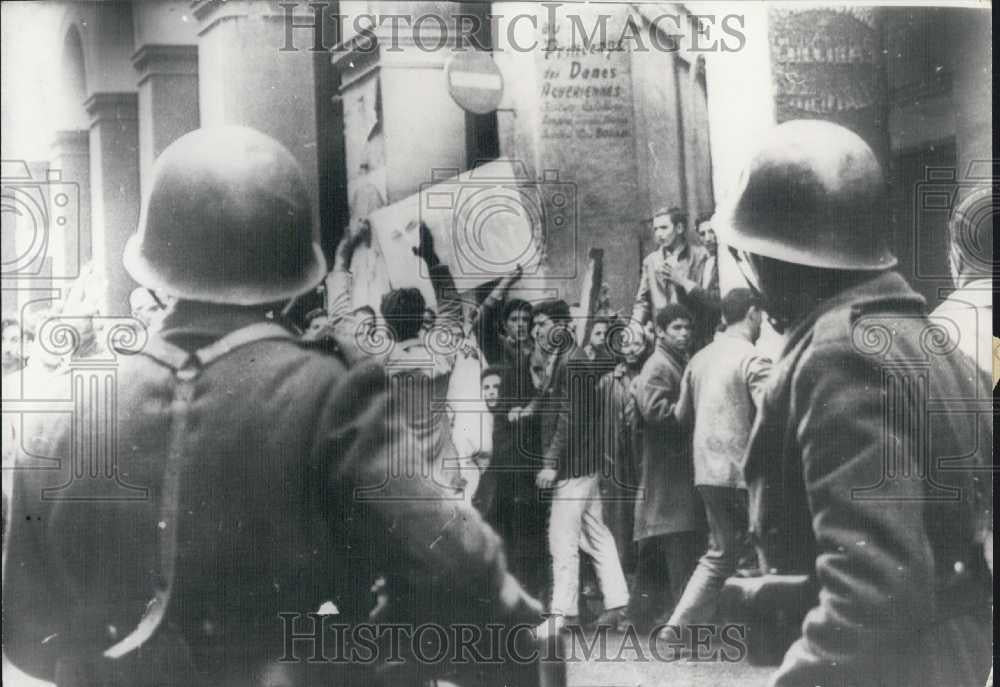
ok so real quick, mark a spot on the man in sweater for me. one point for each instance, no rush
(567, 382)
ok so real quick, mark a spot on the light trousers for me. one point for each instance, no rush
(576, 522)
(726, 508)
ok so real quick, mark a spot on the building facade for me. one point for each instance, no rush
(625, 107)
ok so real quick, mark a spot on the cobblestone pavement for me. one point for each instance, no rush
(629, 662)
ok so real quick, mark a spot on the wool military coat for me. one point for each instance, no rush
(268, 481)
(868, 470)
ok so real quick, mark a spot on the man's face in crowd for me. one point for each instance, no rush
(316, 327)
(146, 309)
(11, 346)
(518, 325)
(429, 317)
(708, 237)
(677, 335)
(663, 230)
(599, 334)
(632, 349)
(541, 330)
(491, 390)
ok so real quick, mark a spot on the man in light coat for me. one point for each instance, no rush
(721, 390)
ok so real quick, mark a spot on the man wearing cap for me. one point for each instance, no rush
(255, 481)
(868, 463)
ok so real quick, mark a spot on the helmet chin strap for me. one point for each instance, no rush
(745, 263)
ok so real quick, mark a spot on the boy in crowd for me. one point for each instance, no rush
(667, 521)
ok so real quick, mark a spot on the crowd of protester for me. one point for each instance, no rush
(612, 445)
(633, 438)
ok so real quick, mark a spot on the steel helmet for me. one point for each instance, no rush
(226, 219)
(812, 194)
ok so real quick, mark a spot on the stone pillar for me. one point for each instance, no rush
(574, 105)
(168, 99)
(970, 35)
(818, 62)
(71, 157)
(245, 77)
(114, 188)
(401, 127)
(827, 63)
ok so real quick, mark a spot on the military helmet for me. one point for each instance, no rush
(226, 219)
(812, 194)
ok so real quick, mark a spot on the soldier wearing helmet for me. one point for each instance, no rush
(854, 480)
(259, 478)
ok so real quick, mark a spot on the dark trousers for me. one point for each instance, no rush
(726, 510)
(663, 567)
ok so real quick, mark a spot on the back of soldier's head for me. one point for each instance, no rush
(227, 219)
(811, 194)
(736, 304)
(403, 311)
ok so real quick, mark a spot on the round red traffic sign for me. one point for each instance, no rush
(474, 81)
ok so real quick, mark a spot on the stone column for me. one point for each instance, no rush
(168, 99)
(827, 63)
(970, 38)
(818, 62)
(71, 157)
(245, 76)
(114, 188)
(401, 127)
(575, 107)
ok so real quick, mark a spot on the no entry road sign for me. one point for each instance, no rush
(474, 81)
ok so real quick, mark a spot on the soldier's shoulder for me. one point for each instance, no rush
(834, 327)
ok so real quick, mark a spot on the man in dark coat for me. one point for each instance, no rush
(566, 386)
(257, 481)
(512, 502)
(868, 463)
(617, 439)
(668, 512)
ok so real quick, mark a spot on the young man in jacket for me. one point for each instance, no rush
(668, 514)
(722, 387)
(566, 380)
